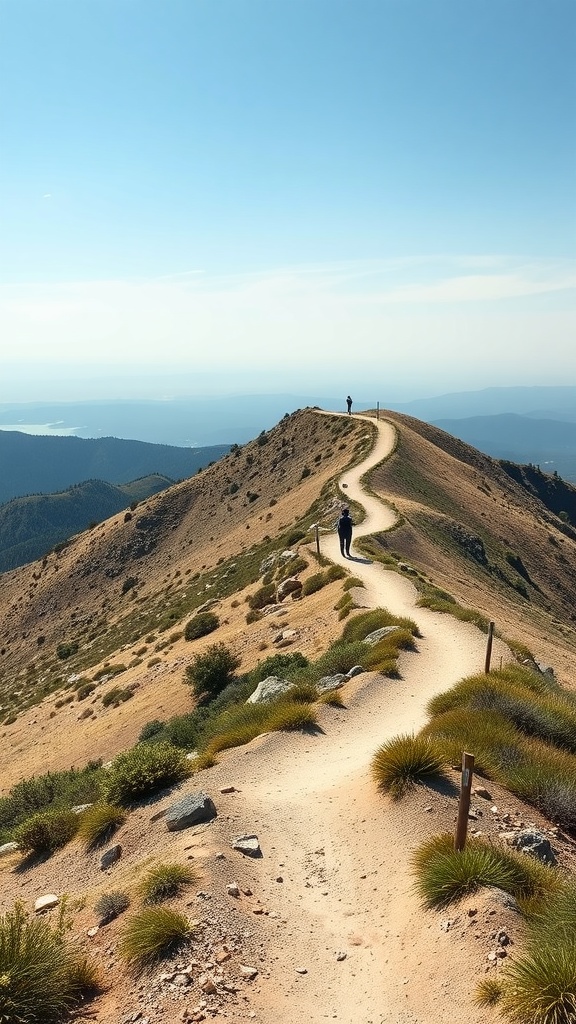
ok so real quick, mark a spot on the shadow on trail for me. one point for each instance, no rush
(356, 558)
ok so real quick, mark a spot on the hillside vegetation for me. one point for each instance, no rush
(30, 527)
(32, 464)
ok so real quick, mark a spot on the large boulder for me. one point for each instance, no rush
(269, 689)
(535, 844)
(191, 810)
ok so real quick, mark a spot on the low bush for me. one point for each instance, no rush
(488, 992)
(153, 934)
(85, 690)
(110, 905)
(313, 584)
(540, 985)
(212, 671)
(98, 824)
(405, 760)
(444, 875)
(54, 790)
(47, 831)
(286, 666)
(263, 596)
(152, 729)
(143, 770)
(40, 977)
(165, 881)
(201, 625)
(116, 696)
(289, 716)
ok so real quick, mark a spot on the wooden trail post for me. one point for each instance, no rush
(489, 647)
(377, 410)
(317, 532)
(464, 802)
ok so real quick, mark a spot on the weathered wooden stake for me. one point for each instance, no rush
(317, 532)
(464, 802)
(377, 410)
(489, 647)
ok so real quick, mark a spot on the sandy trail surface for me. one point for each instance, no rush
(347, 939)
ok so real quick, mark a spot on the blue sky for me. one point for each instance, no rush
(243, 192)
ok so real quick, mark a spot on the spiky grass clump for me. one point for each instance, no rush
(444, 876)
(488, 992)
(40, 979)
(405, 760)
(110, 905)
(303, 693)
(333, 698)
(98, 824)
(540, 986)
(153, 934)
(165, 881)
(143, 770)
(288, 716)
(46, 832)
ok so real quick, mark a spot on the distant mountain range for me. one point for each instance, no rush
(30, 527)
(547, 403)
(43, 465)
(550, 444)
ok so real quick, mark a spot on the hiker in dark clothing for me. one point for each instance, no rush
(349, 404)
(344, 527)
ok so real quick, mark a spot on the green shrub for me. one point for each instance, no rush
(201, 625)
(144, 770)
(109, 670)
(334, 572)
(313, 584)
(153, 934)
(286, 666)
(288, 716)
(295, 536)
(212, 671)
(488, 992)
(405, 760)
(67, 650)
(253, 616)
(165, 881)
(116, 696)
(40, 977)
(153, 728)
(263, 596)
(110, 905)
(540, 985)
(444, 876)
(85, 690)
(303, 693)
(47, 831)
(54, 790)
(367, 622)
(98, 824)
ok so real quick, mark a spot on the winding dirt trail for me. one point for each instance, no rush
(335, 870)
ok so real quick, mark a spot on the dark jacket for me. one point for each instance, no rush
(344, 525)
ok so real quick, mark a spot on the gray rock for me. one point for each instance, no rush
(8, 848)
(331, 682)
(110, 857)
(404, 567)
(545, 670)
(80, 808)
(356, 670)
(373, 638)
(535, 844)
(269, 689)
(46, 902)
(248, 845)
(191, 810)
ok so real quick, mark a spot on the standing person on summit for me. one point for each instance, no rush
(344, 527)
(349, 404)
